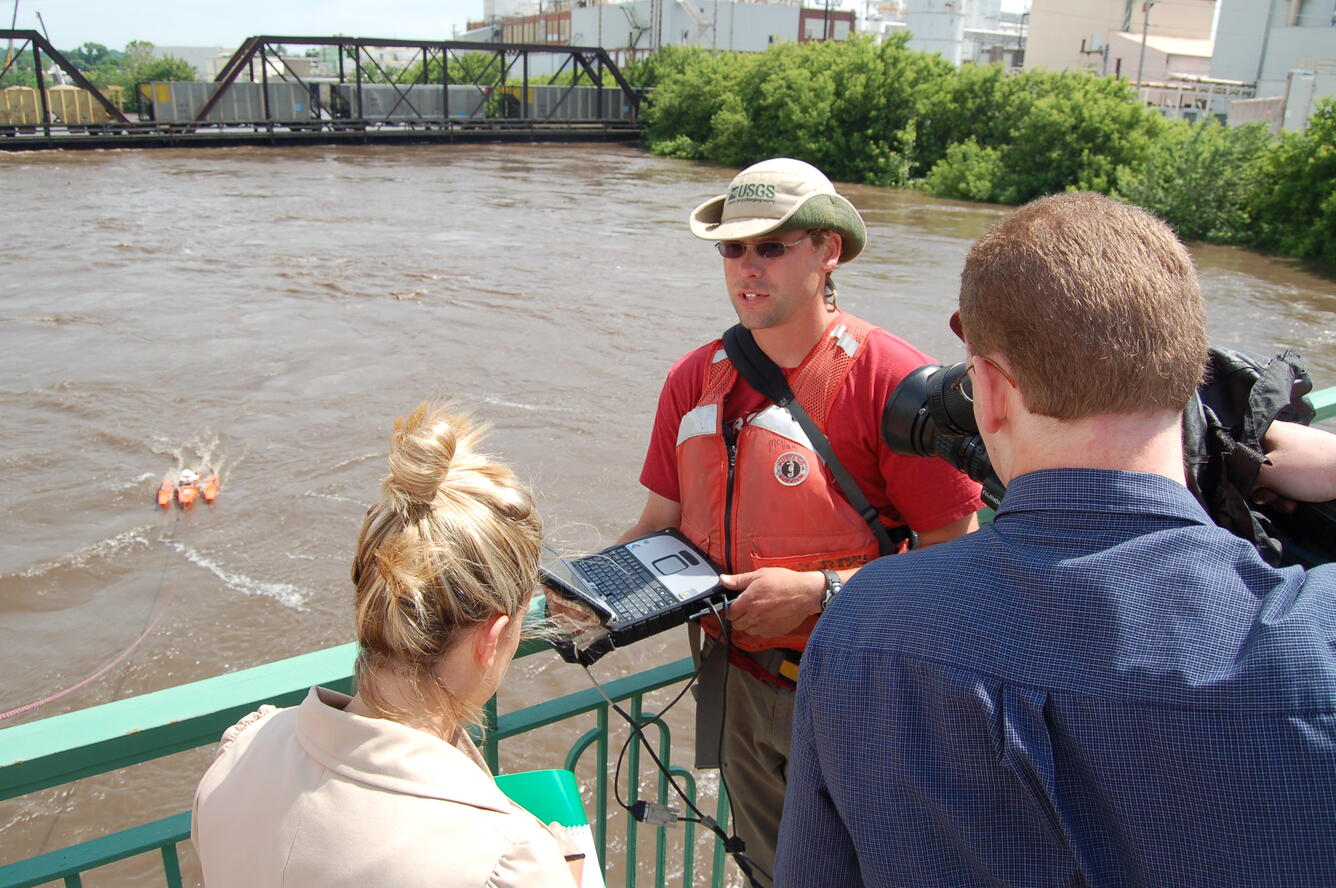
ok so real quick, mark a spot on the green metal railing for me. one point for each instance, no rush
(69, 747)
(1324, 402)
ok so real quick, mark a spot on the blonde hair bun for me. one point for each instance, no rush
(454, 539)
(421, 453)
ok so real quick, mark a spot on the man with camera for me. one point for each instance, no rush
(743, 477)
(1102, 687)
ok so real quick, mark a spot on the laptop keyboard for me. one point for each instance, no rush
(626, 584)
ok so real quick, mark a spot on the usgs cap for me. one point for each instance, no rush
(776, 195)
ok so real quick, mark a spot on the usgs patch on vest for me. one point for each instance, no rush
(791, 469)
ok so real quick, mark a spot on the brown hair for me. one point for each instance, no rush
(829, 292)
(1094, 303)
(454, 540)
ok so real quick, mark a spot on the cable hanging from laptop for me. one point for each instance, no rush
(658, 814)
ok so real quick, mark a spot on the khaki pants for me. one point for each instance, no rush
(756, 731)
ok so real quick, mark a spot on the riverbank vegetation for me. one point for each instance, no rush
(886, 115)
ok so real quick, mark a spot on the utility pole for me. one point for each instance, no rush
(1145, 26)
(13, 23)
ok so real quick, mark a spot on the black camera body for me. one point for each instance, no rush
(931, 413)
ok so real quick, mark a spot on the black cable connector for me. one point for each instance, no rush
(653, 813)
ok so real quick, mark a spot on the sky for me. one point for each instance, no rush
(226, 23)
(114, 23)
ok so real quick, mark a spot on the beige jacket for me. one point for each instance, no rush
(316, 796)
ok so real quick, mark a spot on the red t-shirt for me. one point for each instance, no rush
(924, 492)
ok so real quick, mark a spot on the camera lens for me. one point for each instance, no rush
(965, 453)
(951, 401)
(906, 425)
(931, 401)
(931, 413)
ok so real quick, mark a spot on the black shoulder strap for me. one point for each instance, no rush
(755, 366)
(762, 374)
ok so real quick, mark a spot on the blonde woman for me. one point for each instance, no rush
(385, 788)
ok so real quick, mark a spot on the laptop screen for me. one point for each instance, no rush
(559, 579)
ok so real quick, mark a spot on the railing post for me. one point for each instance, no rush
(633, 791)
(601, 782)
(491, 747)
(661, 839)
(720, 817)
(171, 866)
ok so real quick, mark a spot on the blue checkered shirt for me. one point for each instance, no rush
(1101, 688)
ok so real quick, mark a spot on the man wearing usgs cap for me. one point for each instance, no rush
(741, 478)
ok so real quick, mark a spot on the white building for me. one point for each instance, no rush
(1240, 59)
(1078, 35)
(1286, 47)
(632, 29)
(202, 58)
(961, 31)
(1164, 47)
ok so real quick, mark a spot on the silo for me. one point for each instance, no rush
(937, 26)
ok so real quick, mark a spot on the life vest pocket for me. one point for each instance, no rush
(824, 559)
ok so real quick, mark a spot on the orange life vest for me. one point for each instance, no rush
(771, 502)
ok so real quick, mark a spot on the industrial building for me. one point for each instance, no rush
(1286, 47)
(962, 31)
(630, 30)
(1239, 60)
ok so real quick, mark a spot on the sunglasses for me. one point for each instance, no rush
(765, 249)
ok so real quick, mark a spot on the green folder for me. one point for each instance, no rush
(548, 795)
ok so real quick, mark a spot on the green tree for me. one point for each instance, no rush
(856, 106)
(16, 67)
(899, 90)
(982, 103)
(1051, 131)
(1201, 178)
(660, 67)
(92, 55)
(851, 108)
(696, 86)
(968, 171)
(137, 53)
(165, 68)
(138, 64)
(1294, 209)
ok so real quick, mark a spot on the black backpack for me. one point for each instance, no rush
(1223, 427)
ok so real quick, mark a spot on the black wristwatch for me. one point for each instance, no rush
(833, 585)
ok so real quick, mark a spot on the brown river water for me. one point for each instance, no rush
(269, 311)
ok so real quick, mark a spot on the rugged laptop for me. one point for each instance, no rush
(635, 589)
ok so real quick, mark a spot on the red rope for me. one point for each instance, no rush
(29, 707)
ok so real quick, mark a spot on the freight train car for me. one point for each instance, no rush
(565, 103)
(401, 101)
(245, 103)
(69, 105)
(181, 102)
